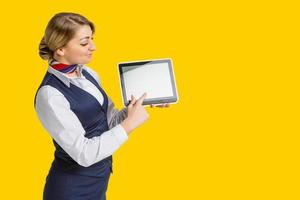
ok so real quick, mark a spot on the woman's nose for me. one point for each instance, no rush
(92, 46)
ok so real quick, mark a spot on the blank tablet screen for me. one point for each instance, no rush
(156, 78)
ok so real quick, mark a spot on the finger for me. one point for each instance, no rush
(141, 100)
(157, 105)
(165, 105)
(132, 101)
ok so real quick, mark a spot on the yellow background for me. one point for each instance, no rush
(234, 133)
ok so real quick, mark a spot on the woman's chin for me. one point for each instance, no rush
(86, 61)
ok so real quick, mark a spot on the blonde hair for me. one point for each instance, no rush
(59, 31)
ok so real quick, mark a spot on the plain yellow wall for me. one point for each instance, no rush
(234, 133)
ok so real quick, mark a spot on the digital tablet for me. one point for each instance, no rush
(155, 77)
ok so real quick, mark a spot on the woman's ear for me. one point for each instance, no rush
(60, 52)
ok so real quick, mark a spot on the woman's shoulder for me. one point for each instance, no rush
(46, 92)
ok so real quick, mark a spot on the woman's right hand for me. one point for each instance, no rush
(137, 114)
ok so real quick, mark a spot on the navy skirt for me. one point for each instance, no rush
(73, 185)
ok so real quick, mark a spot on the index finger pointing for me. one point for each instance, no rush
(141, 100)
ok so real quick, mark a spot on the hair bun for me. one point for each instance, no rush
(44, 51)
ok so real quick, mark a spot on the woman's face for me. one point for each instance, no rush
(79, 49)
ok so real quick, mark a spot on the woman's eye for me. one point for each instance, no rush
(84, 44)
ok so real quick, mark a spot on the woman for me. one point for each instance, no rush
(85, 126)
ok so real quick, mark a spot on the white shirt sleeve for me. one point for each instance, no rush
(63, 125)
(114, 116)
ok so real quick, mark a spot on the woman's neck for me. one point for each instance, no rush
(61, 60)
(73, 74)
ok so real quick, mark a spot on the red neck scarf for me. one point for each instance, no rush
(64, 68)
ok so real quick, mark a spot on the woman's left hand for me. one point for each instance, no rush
(164, 105)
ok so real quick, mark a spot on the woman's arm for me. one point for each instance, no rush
(114, 116)
(60, 121)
